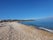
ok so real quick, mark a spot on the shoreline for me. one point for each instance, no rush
(21, 31)
(40, 28)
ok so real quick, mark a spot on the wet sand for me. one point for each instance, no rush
(17, 31)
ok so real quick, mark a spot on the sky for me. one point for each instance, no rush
(26, 9)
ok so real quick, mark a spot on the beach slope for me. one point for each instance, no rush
(17, 31)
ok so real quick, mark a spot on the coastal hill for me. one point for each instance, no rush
(16, 31)
(10, 20)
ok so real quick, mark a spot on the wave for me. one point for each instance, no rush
(46, 29)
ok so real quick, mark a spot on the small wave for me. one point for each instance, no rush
(46, 29)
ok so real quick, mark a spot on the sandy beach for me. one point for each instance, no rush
(17, 31)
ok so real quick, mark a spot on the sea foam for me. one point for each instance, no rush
(49, 30)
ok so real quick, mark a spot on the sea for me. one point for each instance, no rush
(41, 24)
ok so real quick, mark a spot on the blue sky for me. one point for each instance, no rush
(25, 9)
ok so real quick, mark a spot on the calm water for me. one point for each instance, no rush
(41, 23)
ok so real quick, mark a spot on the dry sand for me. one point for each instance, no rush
(16, 31)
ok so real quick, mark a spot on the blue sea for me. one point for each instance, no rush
(42, 23)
